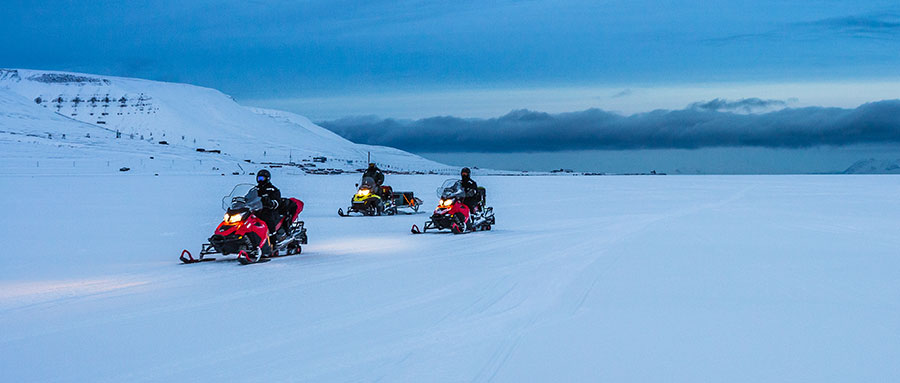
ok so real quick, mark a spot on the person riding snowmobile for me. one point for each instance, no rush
(271, 199)
(471, 189)
(375, 173)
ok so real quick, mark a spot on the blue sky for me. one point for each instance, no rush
(607, 65)
(331, 54)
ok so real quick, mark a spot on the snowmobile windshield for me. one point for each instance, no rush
(243, 196)
(450, 189)
(367, 183)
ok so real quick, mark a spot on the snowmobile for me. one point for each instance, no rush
(244, 234)
(451, 213)
(367, 202)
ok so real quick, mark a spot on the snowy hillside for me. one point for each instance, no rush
(601, 279)
(80, 122)
(873, 166)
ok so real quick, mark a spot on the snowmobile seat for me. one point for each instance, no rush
(387, 191)
(291, 208)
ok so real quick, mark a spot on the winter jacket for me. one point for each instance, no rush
(469, 186)
(270, 195)
(375, 174)
(471, 189)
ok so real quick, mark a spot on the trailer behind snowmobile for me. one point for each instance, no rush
(372, 200)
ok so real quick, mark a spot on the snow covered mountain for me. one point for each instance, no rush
(873, 166)
(61, 120)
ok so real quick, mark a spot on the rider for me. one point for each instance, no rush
(375, 173)
(271, 199)
(470, 188)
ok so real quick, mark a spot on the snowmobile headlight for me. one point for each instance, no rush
(363, 192)
(447, 202)
(234, 218)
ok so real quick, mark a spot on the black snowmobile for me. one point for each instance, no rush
(379, 200)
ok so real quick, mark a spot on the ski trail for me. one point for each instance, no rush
(497, 360)
(596, 270)
(595, 265)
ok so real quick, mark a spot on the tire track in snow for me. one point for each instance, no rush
(593, 267)
(595, 271)
(479, 302)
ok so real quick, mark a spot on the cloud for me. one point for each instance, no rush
(689, 128)
(883, 26)
(868, 26)
(623, 93)
(746, 105)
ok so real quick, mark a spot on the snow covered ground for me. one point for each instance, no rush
(687, 278)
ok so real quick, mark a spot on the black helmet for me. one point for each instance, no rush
(263, 176)
(371, 165)
(465, 172)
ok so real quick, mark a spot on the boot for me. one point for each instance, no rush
(273, 242)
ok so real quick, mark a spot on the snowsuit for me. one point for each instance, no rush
(271, 199)
(376, 175)
(471, 189)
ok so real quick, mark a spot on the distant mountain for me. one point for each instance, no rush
(50, 118)
(873, 166)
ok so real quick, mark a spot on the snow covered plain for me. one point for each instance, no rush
(689, 278)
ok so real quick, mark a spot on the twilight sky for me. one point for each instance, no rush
(414, 59)
(592, 75)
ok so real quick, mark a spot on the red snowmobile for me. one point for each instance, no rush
(244, 234)
(451, 213)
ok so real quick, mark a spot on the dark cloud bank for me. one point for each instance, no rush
(715, 123)
(885, 25)
(878, 26)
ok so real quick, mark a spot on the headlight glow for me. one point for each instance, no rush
(233, 218)
(447, 202)
(363, 192)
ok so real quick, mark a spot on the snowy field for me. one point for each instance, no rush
(687, 278)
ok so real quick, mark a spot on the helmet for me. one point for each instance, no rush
(263, 176)
(465, 172)
(371, 165)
